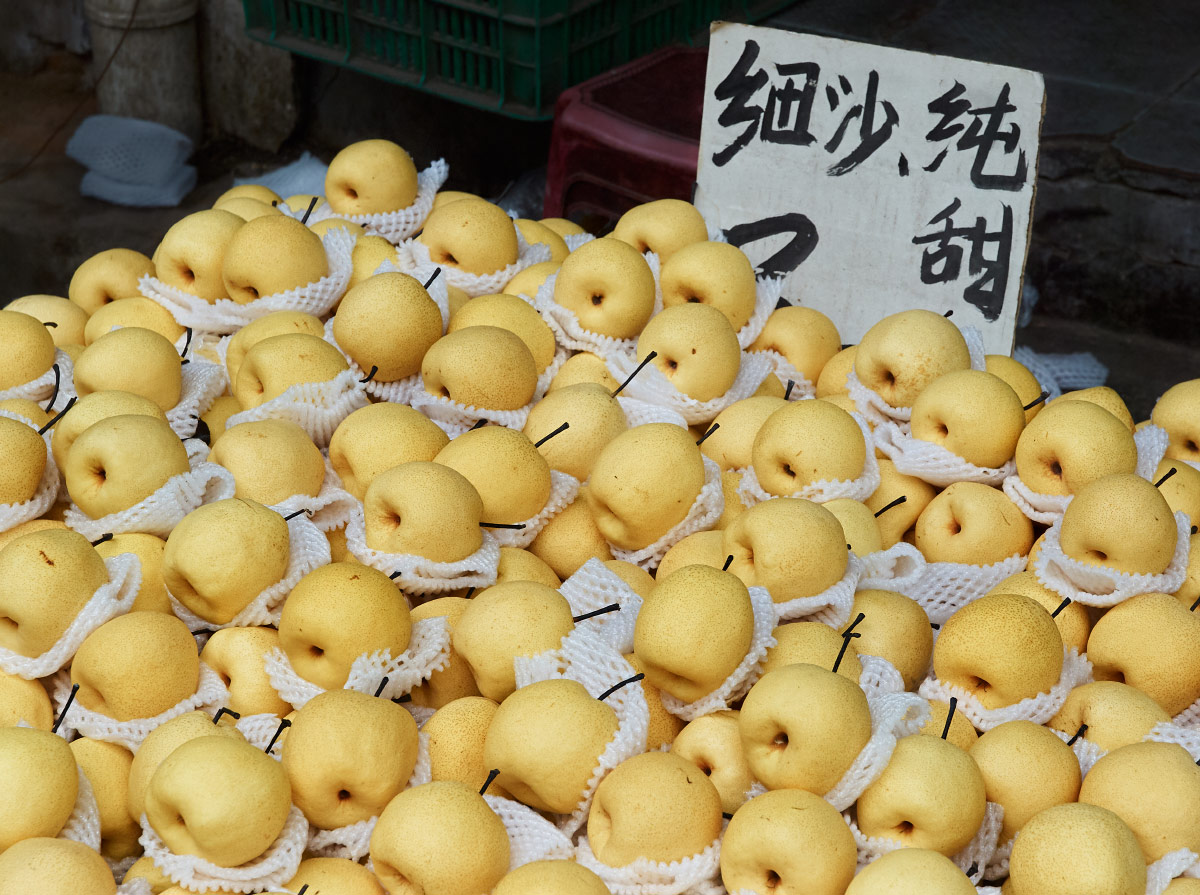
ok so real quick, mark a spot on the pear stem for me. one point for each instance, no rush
(394, 575)
(202, 432)
(66, 707)
(895, 503)
(949, 313)
(57, 382)
(950, 716)
(603, 610)
(290, 516)
(649, 357)
(429, 282)
(56, 417)
(728, 563)
(470, 593)
(479, 424)
(787, 392)
(407, 697)
(1195, 604)
(847, 636)
(303, 889)
(1061, 606)
(1170, 472)
(312, 203)
(224, 711)
(107, 536)
(1080, 732)
(369, 376)
(563, 428)
(726, 815)
(284, 724)
(516, 526)
(187, 342)
(714, 428)
(383, 683)
(1036, 401)
(50, 323)
(492, 775)
(617, 686)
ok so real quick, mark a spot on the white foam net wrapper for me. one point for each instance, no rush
(898, 568)
(946, 587)
(202, 383)
(595, 586)
(455, 418)
(41, 387)
(893, 715)
(530, 836)
(428, 651)
(587, 657)
(972, 860)
(308, 549)
(698, 875)
(767, 293)
(651, 386)
(751, 492)
(270, 870)
(1099, 586)
(259, 730)
(1076, 670)
(832, 605)
(1180, 863)
(879, 677)
(130, 734)
(1058, 373)
(743, 677)
(1190, 717)
(563, 491)
(786, 373)
(84, 823)
(415, 255)
(316, 407)
(706, 509)
(418, 575)
(114, 597)
(139, 885)
(639, 413)
(329, 508)
(933, 463)
(1172, 732)
(159, 513)
(227, 316)
(14, 514)
(395, 226)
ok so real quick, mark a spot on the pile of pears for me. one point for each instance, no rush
(347, 757)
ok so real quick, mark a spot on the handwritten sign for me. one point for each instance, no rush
(873, 179)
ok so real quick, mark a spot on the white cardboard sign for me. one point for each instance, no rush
(874, 179)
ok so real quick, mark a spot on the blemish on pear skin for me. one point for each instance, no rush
(48, 560)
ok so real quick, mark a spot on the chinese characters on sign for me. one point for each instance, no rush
(875, 179)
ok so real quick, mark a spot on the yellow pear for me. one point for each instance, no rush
(713, 743)
(536, 232)
(277, 323)
(594, 419)
(1102, 396)
(974, 524)
(300, 202)
(1076, 848)
(731, 444)
(1001, 648)
(46, 578)
(695, 348)
(160, 743)
(805, 442)
(1073, 622)
(656, 806)
(1019, 379)
(802, 727)
(1151, 642)
(28, 409)
(455, 681)
(705, 548)
(250, 209)
(804, 336)
(136, 666)
(481, 366)
(563, 227)
(24, 701)
(517, 564)
(609, 287)
(1115, 714)
(40, 784)
(144, 868)
(456, 735)
(530, 280)
(191, 253)
(388, 322)
(371, 177)
(369, 252)
(583, 367)
(716, 274)
(340, 875)
(794, 548)
(1175, 412)
(54, 867)
(931, 795)
(512, 478)
(426, 509)
(911, 871)
(639, 580)
(515, 315)
(28, 349)
(223, 555)
(663, 726)
(788, 841)
(29, 527)
(218, 413)
(546, 740)
(644, 483)
(972, 414)
(895, 628)
(105, 365)
(347, 755)
(1026, 769)
(271, 255)
(571, 538)
(517, 618)
(895, 519)
(107, 276)
(68, 318)
(814, 643)
(559, 877)
(271, 460)
(236, 655)
(337, 613)
(1182, 489)
(1120, 522)
(441, 838)
(833, 376)
(961, 733)
(858, 523)
(136, 310)
(472, 235)
(376, 438)
(275, 364)
(903, 353)
(693, 631)
(663, 226)
(26, 454)
(107, 768)
(219, 799)
(249, 191)
(1071, 444)
(152, 595)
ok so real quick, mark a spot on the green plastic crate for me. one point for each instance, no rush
(509, 56)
